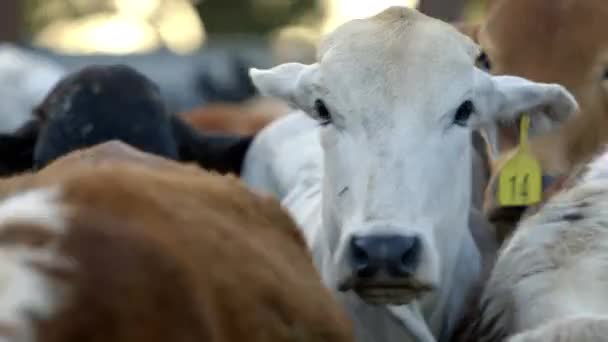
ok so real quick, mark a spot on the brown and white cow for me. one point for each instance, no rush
(561, 41)
(117, 245)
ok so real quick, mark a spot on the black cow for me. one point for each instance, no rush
(113, 102)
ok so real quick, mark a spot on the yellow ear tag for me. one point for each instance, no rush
(520, 182)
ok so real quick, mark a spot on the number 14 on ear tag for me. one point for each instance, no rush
(520, 182)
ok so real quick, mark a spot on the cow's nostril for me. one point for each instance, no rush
(396, 255)
(360, 257)
(411, 251)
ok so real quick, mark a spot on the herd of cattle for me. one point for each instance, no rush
(353, 199)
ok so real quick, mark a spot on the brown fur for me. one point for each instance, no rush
(562, 41)
(177, 255)
(244, 118)
(111, 152)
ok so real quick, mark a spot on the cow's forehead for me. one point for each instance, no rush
(396, 41)
(398, 29)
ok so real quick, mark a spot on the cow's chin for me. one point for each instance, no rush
(393, 293)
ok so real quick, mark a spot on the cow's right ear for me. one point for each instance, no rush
(17, 149)
(469, 29)
(290, 82)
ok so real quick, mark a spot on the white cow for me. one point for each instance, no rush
(381, 182)
(551, 278)
(25, 79)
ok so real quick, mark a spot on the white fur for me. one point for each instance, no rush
(392, 83)
(271, 143)
(25, 291)
(551, 279)
(598, 168)
(25, 79)
(573, 328)
(37, 206)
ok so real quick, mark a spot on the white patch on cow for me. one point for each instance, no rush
(39, 207)
(393, 161)
(553, 271)
(26, 292)
(577, 328)
(278, 179)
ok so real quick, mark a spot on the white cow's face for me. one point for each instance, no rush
(397, 96)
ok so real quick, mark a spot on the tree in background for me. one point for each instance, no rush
(40, 13)
(454, 10)
(253, 17)
(10, 20)
(258, 17)
(447, 10)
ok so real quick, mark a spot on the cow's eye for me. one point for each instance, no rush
(322, 113)
(463, 113)
(483, 62)
(605, 76)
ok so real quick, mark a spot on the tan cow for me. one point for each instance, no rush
(117, 245)
(246, 118)
(561, 41)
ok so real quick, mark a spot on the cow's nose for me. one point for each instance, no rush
(397, 255)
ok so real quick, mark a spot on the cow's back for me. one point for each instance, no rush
(178, 256)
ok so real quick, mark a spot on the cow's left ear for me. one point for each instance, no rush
(219, 152)
(17, 149)
(503, 99)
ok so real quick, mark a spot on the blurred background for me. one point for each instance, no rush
(198, 51)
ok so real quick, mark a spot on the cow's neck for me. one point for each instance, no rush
(449, 304)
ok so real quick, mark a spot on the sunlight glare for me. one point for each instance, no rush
(341, 11)
(136, 26)
(183, 31)
(100, 33)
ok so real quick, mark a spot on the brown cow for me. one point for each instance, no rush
(246, 118)
(95, 250)
(562, 41)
